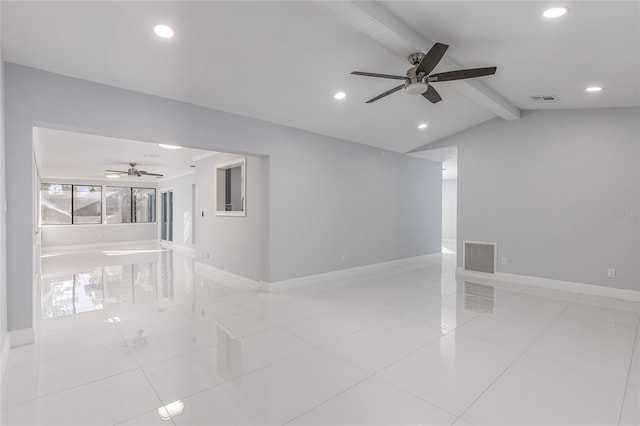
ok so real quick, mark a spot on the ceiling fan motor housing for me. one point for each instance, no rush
(416, 84)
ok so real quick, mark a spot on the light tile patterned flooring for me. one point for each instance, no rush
(136, 337)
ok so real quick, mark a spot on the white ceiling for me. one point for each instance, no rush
(69, 155)
(282, 61)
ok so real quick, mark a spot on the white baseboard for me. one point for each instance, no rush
(4, 356)
(97, 246)
(228, 278)
(590, 289)
(178, 247)
(450, 241)
(24, 336)
(404, 264)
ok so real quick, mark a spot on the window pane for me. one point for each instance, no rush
(89, 291)
(87, 204)
(118, 285)
(57, 296)
(118, 204)
(55, 202)
(144, 205)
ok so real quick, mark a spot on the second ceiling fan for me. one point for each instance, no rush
(132, 171)
(418, 80)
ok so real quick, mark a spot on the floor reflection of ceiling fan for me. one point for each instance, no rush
(135, 172)
(418, 79)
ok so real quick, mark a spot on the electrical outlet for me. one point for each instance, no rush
(344, 258)
(611, 272)
(503, 260)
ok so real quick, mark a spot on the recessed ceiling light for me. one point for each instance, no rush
(163, 31)
(422, 126)
(112, 175)
(339, 95)
(594, 89)
(167, 146)
(555, 12)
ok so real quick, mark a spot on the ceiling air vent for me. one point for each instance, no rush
(544, 98)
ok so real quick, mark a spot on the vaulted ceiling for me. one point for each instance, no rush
(283, 61)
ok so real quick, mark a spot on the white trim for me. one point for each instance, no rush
(450, 241)
(79, 247)
(4, 356)
(177, 247)
(24, 336)
(242, 161)
(227, 278)
(166, 179)
(231, 213)
(359, 271)
(94, 225)
(590, 289)
(205, 155)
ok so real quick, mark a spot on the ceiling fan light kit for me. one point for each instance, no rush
(418, 80)
(417, 88)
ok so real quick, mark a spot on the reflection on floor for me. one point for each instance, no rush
(137, 337)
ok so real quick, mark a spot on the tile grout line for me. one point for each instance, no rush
(78, 385)
(59, 357)
(626, 385)
(328, 399)
(69, 388)
(144, 374)
(369, 376)
(517, 358)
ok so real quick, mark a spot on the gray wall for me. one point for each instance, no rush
(182, 208)
(327, 197)
(449, 208)
(230, 243)
(546, 187)
(3, 227)
(340, 199)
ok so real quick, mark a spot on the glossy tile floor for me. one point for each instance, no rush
(136, 337)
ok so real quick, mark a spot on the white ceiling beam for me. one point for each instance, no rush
(385, 28)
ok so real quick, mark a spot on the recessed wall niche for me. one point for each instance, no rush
(231, 188)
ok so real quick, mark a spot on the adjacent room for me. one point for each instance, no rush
(320, 213)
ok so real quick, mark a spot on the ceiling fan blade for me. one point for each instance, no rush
(388, 92)
(432, 95)
(372, 74)
(431, 59)
(462, 74)
(142, 172)
(115, 171)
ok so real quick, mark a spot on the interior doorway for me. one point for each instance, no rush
(450, 201)
(166, 216)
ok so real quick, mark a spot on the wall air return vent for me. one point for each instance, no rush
(544, 98)
(479, 256)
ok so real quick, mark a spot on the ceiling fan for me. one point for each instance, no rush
(135, 172)
(418, 81)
